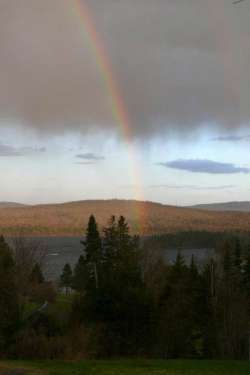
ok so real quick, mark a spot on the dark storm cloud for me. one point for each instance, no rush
(9, 151)
(90, 156)
(178, 64)
(204, 166)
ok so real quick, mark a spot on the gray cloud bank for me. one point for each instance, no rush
(10, 151)
(178, 64)
(204, 166)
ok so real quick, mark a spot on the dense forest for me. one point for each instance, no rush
(122, 299)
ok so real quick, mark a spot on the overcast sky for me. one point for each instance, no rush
(182, 70)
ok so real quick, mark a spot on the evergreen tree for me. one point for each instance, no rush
(93, 254)
(237, 254)
(124, 237)
(194, 281)
(246, 271)
(229, 303)
(79, 275)
(87, 271)
(66, 277)
(199, 309)
(179, 267)
(36, 276)
(127, 253)
(193, 268)
(208, 311)
(128, 306)
(110, 244)
(176, 311)
(225, 256)
(9, 305)
(120, 303)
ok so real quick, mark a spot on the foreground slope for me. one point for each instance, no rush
(143, 217)
(133, 367)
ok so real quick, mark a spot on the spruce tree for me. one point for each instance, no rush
(127, 250)
(124, 238)
(246, 271)
(237, 260)
(66, 277)
(36, 276)
(110, 243)
(193, 268)
(125, 306)
(9, 304)
(93, 254)
(79, 275)
(179, 267)
(120, 303)
(226, 259)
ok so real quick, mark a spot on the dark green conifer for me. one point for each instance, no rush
(79, 275)
(237, 254)
(246, 271)
(66, 277)
(9, 304)
(93, 253)
(227, 261)
(110, 242)
(193, 267)
(36, 276)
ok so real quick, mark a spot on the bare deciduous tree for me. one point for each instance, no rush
(28, 252)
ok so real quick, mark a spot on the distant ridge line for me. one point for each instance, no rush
(12, 205)
(70, 218)
(240, 206)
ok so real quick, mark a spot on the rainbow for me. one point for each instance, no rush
(117, 104)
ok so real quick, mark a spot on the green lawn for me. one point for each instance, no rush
(131, 367)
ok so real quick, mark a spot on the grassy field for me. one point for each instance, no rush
(133, 367)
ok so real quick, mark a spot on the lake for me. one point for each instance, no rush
(62, 250)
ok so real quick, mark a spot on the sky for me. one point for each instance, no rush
(134, 99)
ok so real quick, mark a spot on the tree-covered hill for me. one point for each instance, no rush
(145, 218)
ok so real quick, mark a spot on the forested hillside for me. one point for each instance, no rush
(145, 218)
